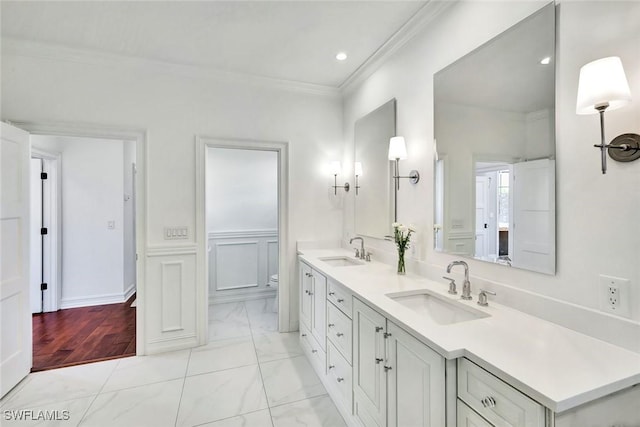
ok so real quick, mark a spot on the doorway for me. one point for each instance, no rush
(242, 211)
(83, 258)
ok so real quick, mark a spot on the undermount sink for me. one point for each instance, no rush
(438, 309)
(340, 261)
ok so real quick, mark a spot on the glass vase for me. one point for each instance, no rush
(401, 267)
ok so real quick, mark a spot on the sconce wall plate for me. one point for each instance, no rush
(625, 147)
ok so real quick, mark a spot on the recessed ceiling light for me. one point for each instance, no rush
(341, 56)
(545, 61)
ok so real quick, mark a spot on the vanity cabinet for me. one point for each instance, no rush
(397, 380)
(313, 313)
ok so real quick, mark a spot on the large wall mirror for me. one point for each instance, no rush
(495, 142)
(374, 192)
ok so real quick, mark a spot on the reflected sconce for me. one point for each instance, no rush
(397, 152)
(358, 173)
(603, 87)
(336, 169)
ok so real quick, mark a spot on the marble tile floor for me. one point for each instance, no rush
(248, 375)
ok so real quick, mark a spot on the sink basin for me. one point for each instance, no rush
(438, 309)
(341, 261)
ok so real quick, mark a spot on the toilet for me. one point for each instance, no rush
(273, 283)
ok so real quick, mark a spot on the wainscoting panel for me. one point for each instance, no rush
(240, 264)
(170, 320)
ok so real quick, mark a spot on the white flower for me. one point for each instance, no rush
(412, 228)
(396, 225)
(403, 229)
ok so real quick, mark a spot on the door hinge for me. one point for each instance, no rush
(386, 335)
(43, 286)
(44, 231)
(43, 175)
(136, 257)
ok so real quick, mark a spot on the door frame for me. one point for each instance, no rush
(202, 272)
(120, 134)
(54, 219)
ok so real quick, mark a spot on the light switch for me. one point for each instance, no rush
(174, 233)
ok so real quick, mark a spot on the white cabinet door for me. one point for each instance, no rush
(416, 383)
(369, 376)
(15, 336)
(468, 418)
(319, 308)
(306, 288)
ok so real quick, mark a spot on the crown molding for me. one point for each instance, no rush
(28, 48)
(426, 14)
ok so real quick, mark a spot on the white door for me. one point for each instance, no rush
(482, 221)
(534, 210)
(416, 382)
(15, 312)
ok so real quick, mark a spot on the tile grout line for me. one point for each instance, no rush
(264, 389)
(84, 414)
(184, 382)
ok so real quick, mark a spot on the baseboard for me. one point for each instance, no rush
(104, 299)
(261, 294)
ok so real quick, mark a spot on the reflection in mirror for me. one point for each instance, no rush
(373, 207)
(495, 142)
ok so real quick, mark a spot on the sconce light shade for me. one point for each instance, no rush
(602, 83)
(358, 169)
(397, 148)
(335, 168)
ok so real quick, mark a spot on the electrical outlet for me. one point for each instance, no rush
(614, 295)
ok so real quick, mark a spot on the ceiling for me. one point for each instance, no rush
(289, 40)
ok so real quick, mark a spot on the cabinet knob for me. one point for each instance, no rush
(310, 293)
(340, 300)
(387, 368)
(304, 335)
(307, 274)
(306, 291)
(379, 328)
(314, 351)
(488, 402)
(378, 360)
(331, 325)
(339, 334)
(340, 379)
(332, 366)
(332, 293)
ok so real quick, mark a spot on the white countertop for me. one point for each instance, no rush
(556, 366)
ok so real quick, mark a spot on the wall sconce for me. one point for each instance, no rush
(358, 173)
(603, 86)
(336, 169)
(397, 152)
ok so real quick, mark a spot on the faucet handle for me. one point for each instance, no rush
(357, 253)
(452, 285)
(368, 257)
(482, 297)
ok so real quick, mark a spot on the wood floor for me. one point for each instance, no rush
(82, 335)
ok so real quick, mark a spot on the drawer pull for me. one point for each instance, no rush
(331, 325)
(488, 402)
(339, 379)
(387, 368)
(332, 366)
(310, 293)
(332, 293)
(308, 274)
(306, 291)
(340, 300)
(304, 335)
(339, 334)
(379, 328)
(314, 351)
(378, 360)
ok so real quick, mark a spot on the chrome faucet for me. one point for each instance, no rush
(359, 254)
(466, 286)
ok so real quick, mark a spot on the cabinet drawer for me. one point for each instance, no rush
(340, 297)
(339, 330)
(314, 352)
(339, 376)
(495, 400)
(467, 417)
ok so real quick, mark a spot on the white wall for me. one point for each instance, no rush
(589, 242)
(92, 183)
(174, 105)
(242, 190)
